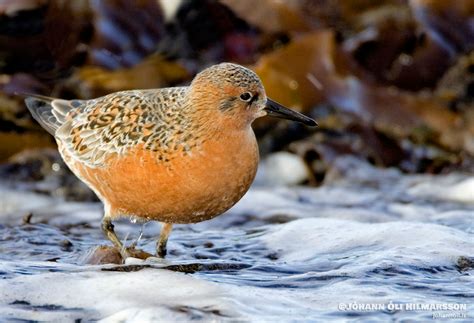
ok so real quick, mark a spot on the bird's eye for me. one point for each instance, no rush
(246, 96)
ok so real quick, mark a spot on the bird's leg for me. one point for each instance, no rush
(161, 243)
(134, 243)
(108, 229)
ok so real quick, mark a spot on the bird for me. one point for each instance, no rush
(175, 155)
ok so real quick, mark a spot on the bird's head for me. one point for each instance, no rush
(237, 96)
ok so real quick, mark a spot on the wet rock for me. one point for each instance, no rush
(110, 255)
(465, 263)
(66, 245)
(102, 255)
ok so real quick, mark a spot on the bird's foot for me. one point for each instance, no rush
(161, 251)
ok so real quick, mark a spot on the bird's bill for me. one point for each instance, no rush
(275, 109)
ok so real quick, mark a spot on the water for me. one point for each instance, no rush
(368, 236)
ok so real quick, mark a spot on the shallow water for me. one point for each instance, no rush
(368, 236)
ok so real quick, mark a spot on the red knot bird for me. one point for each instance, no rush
(174, 155)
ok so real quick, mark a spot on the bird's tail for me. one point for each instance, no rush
(49, 112)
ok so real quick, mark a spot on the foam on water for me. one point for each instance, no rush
(452, 188)
(410, 242)
(366, 236)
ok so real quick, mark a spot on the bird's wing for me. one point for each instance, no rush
(91, 131)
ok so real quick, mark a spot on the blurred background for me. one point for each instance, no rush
(390, 82)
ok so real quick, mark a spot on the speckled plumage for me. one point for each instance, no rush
(176, 155)
(92, 131)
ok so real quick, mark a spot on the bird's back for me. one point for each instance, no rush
(91, 130)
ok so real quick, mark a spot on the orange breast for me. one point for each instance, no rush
(187, 189)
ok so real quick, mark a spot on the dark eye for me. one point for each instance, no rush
(246, 96)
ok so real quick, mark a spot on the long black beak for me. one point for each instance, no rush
(275, 109)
